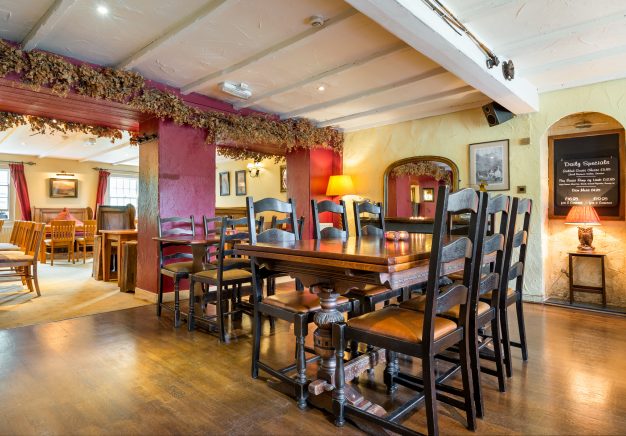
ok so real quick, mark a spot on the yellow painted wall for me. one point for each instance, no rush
(266, 185)
(37, 178)
(368, 152)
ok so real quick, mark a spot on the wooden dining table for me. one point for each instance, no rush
(108, 237)
(332, 267)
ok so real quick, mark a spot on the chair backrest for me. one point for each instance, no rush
(15, 231)
(36, 238)
(275, 223)
(334, 208)
(447, 251)
(26, 229)
(89, 230)
(517, 241)
(115, 217)
(377, 227)
(1, 224)
(176, 226)
(273, 234)
(231, 231)
(62, 230)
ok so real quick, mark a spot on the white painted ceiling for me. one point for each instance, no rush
(75, 146)
(270, 45)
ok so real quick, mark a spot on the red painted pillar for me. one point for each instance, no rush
(176, 178)
(307, 177)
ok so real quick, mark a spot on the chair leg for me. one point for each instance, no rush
(506, 341)
(391, 371)
(300, 329)
(522, 328)
(159, 295)
(51, 254)
(339, 396)
(220, 312)
(36, 279)
(190, 317)
(256, 342)
(428, 370)
(176, 302)
(472, 333)
(497, 349)
(85, 253)
(466, 375)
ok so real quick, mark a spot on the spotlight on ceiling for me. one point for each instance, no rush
(102, 10)
(241, 90)
(90, 142)
(321, 88)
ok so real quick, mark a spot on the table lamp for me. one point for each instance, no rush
(584, 217)
(339, 185)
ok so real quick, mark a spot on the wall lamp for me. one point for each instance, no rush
(254, 169)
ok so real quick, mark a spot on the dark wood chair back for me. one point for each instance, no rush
(334, 208)
(115, 217)
(376, 211)
(275, 223)
(174, 226)
(273, 234)
(443, 252)
(231, 231)
(517, 241)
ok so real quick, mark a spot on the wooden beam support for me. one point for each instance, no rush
(46, 23)
(128, 159)
(8, 134)
(372, 91)
(174, 31)
(424, 30)
(197, 84)
(357, 63)
(431, 97)
(100, 153)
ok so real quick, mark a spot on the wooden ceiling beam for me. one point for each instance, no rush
(316, 77)
(368, 92)
(199, 83)
(174, 31)
(123, 161)
(423, 29)
(108, 150)
(415, 101)
(46, 23)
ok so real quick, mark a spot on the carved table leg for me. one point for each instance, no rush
(322, 338)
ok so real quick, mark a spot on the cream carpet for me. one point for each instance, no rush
(67, 291)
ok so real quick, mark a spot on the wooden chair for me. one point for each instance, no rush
(115, 217)
(517, 241)
(62, 234)
(229, 271)
(275, 223)
(421, 334)
(377, 227)
(171, 264)
(24, 265)
(295, 307)
(88, 238)
(12, 245)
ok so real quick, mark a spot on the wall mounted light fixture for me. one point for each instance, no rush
(65, 174)
(254, 169)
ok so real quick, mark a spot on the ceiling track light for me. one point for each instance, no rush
(241, 90)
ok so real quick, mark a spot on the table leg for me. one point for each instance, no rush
(106, 258)
(322, 338)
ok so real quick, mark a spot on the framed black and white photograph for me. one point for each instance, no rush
(283, 178)
(489, 165)
(240, 182)
(428, 194)
(224, 179)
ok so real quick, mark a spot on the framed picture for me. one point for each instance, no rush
(224, 183)
(63, 188)
(283, 178)
(240, 182)
(428, 194)
(489, 165)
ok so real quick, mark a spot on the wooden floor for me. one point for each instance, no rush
(128, 372)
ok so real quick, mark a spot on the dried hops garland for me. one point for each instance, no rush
(43, 125)
(423, 169)
(42, 69)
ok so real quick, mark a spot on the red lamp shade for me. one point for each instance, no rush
(339, 185)
(583, 216)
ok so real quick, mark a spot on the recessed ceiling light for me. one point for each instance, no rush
(102, 10)
(321, 88)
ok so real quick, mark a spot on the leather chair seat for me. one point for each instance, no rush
(230, 261)
(457, 276)
(419, 304)
(510, 292)
(230, 274)
(5, 246)
(88, 241)
(455, 311)
(15, 256)
(400, 324)
(370, 291)
(178, 268)
(298, 301)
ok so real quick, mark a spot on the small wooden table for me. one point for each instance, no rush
(108, 237)
(584, 288)
(333, 267)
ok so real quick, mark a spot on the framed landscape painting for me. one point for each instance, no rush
(224, 179)
(489, 165)
(63, 188)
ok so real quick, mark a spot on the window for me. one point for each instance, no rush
(5, 180)
(123, 190)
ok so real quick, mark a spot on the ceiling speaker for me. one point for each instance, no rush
(496, 114)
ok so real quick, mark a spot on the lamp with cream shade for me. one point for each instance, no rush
(585, 217)
(339, 185)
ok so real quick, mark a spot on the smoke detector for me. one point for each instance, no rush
(241, 90)
(316, 21)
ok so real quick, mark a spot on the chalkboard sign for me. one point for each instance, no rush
(586, 170)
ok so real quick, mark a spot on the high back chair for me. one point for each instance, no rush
(275, 223)
(24, 265)
(62, 234)
(377, 225)
(335, 209)
(516, 247)
(295, 307)
(115, 217)
(88, 238)
(421, 334)
(227, 275)
(175, 265)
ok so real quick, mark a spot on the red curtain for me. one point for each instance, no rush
(19, 180)
(103, 181)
